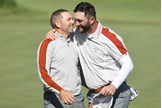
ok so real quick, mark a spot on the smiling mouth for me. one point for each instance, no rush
(79, 27)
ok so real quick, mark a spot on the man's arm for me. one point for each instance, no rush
(126, 68)
(50, 35)
(44, 61)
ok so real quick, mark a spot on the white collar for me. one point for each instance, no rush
(97, 32)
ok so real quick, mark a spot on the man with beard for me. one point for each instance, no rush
(58, 65)
(104, 58)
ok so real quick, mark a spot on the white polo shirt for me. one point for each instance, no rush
(57, 65)
(100, 54)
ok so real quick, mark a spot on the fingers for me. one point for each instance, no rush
(53, 30)
(50, 34)
(68, 100)
(66, 97)
(108, 90)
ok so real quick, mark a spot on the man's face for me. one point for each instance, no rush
(81, 22)
(67, 22)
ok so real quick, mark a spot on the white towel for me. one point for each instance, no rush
(101, 101)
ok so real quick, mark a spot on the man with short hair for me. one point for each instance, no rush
(58, 65)
(104, 58)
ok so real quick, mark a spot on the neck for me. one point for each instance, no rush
(93, 27)
(62, 33)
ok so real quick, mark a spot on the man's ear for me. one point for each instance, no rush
(58, 24)
(92, 20)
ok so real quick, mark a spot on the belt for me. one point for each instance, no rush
(99, 89)
(77, 95)
(96, 90)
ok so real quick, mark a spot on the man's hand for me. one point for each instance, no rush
(50, 34)
(66, 97)
(108, 90)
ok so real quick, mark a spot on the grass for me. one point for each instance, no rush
(138, 22)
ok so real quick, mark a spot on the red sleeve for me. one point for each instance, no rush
(42, 65)
(115, 40)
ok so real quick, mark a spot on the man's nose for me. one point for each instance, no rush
(77, 23)
(72, 21)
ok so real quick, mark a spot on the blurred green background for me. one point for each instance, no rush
(24, 23)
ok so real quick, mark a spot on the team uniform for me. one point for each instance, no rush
(58, 69)
(104, 60)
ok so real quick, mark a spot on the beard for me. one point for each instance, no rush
(84, 28)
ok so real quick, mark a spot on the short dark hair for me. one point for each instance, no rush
(87, 8)
(55, 15)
